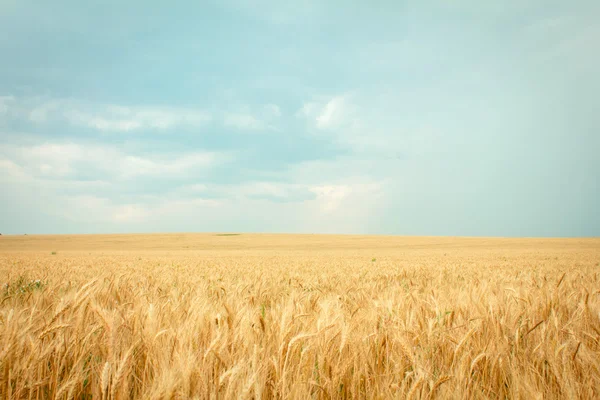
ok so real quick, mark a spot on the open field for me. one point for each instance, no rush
(298, 316)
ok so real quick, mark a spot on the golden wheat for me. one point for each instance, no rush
(298, 316)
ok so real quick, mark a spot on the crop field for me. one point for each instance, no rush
(228, 316)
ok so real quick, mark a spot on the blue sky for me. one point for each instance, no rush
(457, 117)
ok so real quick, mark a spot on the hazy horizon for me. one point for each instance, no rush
(240, 233)
(413, 118)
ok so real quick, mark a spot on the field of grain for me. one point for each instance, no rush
(298, 316)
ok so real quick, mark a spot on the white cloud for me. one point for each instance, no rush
(268, 190)
(273, 110)
(317, 203)
(67, 160)
(120, 118)
(281, 191)
(262, 119)
(183, 206)
(41, 113)
(76, 117)
(172, 165)
(305, 208)
(347, 198)
(374, 125)
(103, 117)
(87, 202)
(275, 189)
(195, 187)
(152, 209)
(330, 197)
(331, 114)
(130, 213)
(12, 171)
(243, 121)
(321, 198)
(48, 160)
(5, 103)
(124, 119)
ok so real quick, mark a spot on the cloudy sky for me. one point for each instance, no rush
(421, 117)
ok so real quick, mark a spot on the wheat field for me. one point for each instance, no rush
(211, 316)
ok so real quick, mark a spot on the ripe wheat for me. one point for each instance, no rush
(261, 316)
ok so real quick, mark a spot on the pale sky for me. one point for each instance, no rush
(462, 118)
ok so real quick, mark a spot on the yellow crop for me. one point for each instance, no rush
(298, 316)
